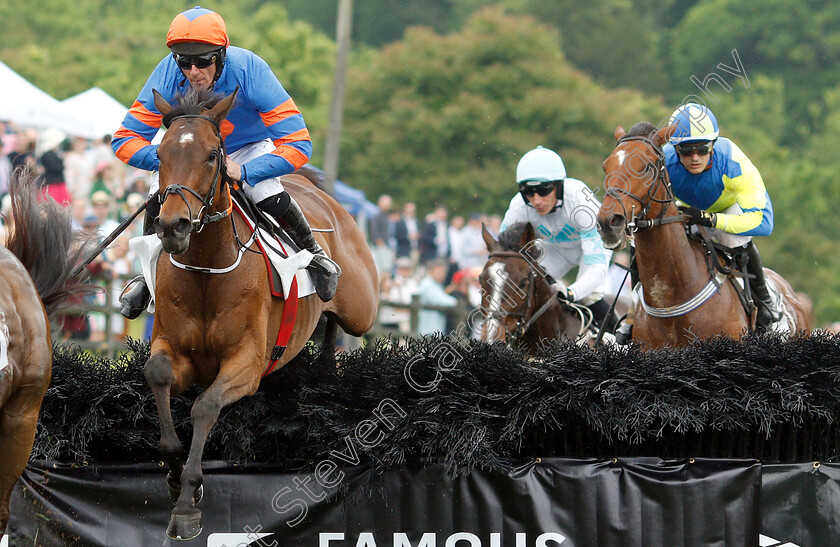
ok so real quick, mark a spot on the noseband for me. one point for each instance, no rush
(526, 317)
(203, 218)
(640, 221)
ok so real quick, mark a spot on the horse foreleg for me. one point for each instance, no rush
(233, 382)
(160, 377)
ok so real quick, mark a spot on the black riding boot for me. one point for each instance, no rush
(767, 314)
(600, 311)
(288, 214)
(135, 297)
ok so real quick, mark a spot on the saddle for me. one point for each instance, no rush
(285, 260)
(732, 263)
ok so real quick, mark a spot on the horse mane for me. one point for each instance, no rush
(45, 242)
(193, 102)
(644, 129)
(511, 238)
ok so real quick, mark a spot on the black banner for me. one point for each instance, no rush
(800, 503)
(573, 503)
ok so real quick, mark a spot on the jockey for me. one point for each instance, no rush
(720, 188)
(563, 211)
(265, 135)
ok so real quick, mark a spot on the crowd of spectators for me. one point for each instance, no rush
(427, 265)
(100, 191)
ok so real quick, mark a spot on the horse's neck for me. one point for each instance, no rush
(670, 268)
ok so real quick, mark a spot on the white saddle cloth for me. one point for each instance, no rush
(148, 249)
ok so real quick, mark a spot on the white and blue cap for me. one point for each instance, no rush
(540, 166)
(694, 123)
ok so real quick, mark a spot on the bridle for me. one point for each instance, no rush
(528, 315)
(203, 217)
(640, 221)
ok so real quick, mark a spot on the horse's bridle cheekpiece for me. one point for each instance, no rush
(640, 221)
(202, 218)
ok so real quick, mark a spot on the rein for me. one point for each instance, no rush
(526, 317)
(220, 175)
(640, 221)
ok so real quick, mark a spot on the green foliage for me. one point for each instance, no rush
(797, 42)
(65, 48)
(375, 22)
(446, 118)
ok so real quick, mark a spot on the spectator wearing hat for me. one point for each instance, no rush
(401, 289)
(51, 164)
(102, 210)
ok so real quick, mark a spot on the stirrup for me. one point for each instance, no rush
(135, 298)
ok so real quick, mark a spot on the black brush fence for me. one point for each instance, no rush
(473, 405)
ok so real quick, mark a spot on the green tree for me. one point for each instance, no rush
(446, 118)
(795, 41)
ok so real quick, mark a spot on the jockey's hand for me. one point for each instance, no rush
(693, 215)
(562, 290)
(234, 170)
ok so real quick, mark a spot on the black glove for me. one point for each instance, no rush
(693, 215)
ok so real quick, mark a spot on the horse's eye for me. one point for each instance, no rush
(214, 155)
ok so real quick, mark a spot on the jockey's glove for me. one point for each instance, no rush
(693, 215)
(563, 292)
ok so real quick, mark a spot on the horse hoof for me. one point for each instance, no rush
(184, 527)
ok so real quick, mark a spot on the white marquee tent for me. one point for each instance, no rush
(101, 110)
(24, 104)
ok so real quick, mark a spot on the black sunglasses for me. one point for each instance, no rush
(542, 190)
(200, 61)
(702, 149)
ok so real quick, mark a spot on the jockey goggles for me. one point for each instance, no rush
(701, 149)
(200, 61)
(541, 190)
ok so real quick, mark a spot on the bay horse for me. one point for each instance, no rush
(676, 285)
(218, 329)
(518, 302)
(35, 270)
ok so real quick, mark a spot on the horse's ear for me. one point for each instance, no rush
(488, 238)
(220, 111)
(161, 104)
(664, 134)
(528, 234)
(619, 132)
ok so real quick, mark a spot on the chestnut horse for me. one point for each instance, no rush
(519, 305)
(35, 266)
(672, 268)
(218, 329)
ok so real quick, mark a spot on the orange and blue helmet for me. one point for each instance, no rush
(197, 31)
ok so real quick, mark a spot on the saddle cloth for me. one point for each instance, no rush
(283, 268)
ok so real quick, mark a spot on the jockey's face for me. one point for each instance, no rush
(200, 78)
(695, 161)
(543, 204)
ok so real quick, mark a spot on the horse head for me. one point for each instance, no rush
(513, 284)
(192, 164)
(636, 183)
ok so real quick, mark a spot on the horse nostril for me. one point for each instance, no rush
(182, 227)
(616, 221)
